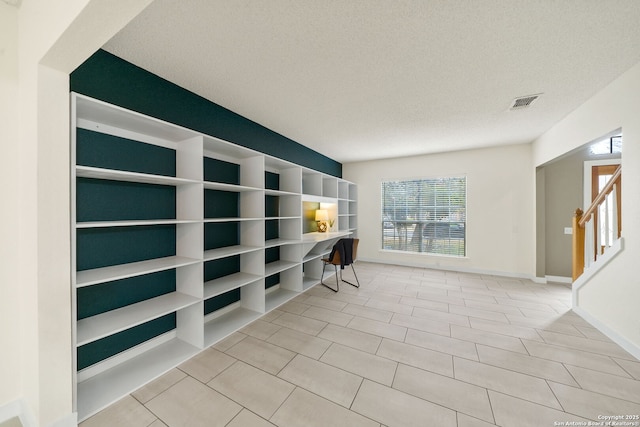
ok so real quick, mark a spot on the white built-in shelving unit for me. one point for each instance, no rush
(269, 252)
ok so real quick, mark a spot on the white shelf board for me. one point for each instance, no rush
(319, 237)
(227, 251)
(101, 112)
(278, 266)
(280, 242)
(134, 223)
(278, 297)
(225, 325)
(273, 218)
(231, 219)
(123, 271)
(116, 175)
(224, 284)
(270, 192)
(313, 256)
(109, 386)
(209, 185)
(102, 325)
(318, 198)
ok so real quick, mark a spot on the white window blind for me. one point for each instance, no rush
(425, 215)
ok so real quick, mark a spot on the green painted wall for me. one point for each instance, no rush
(111, 79)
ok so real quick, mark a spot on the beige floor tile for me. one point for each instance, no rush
(157, 386)
(11, 422)
(381, 329)
(448, 392)
(390, 306)
(249, 419)
(525, 364)
(431, 305)
(488, 338)
(395, 408)
(306, 409)
(593, 333)
(498, 308)
(426, 325)
(299, 323)
(589, 404)
(380, 296)
(368, 313)
(348, 298)
(478, 313)
(467, 421)
(329, 316)
(207, 364)
(442, 344)
(261, 354)
(125, 412)
(506, 329)
(260, 329)
(633, 368)
(513, 383)
(157, 423)
(510, 411)
(454, 319)
(295, 307)
(322, 379)
(525, 304)
(191, 403)
(610, 385)
(351, 338)
(419, 357)
(545, 325)
(272, 315)
(253, 388)
(298, 342)
(330, 304)
(472, 296)
(366, 365)
(568, 356)
(229, 341)
(585, 344)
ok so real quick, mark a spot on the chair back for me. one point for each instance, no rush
(354, 252)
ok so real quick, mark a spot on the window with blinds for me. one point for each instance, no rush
(425, 215)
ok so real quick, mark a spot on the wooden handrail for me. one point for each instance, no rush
(602, 195)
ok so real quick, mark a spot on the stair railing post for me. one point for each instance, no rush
(578, 245)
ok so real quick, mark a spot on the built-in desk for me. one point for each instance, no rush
(316, 246)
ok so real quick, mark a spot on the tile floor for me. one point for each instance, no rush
(411, 347)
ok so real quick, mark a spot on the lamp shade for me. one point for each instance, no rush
(322, 215)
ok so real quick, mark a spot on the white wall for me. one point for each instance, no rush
(41, 43)
(611, 297)
(10, 297)
(500, 207)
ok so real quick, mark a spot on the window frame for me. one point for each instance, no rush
(443, 237)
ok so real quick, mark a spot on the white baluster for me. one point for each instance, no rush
(614, 220)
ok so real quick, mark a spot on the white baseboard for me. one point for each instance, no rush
(456, 269)
(558, 279)
(627, 345)
(18, 408)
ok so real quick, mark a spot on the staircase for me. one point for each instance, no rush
(597, 232)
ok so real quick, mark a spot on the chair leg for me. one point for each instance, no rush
(324, 265)
(356, 276)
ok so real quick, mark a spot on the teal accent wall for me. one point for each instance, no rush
(104, 348)
(101, 150)
(111, 79)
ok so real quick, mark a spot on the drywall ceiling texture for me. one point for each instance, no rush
(365, 79)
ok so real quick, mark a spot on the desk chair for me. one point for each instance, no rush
(343, 253)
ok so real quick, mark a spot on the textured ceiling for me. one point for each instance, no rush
(366, 79)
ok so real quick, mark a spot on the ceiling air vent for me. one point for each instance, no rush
(523, 102)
